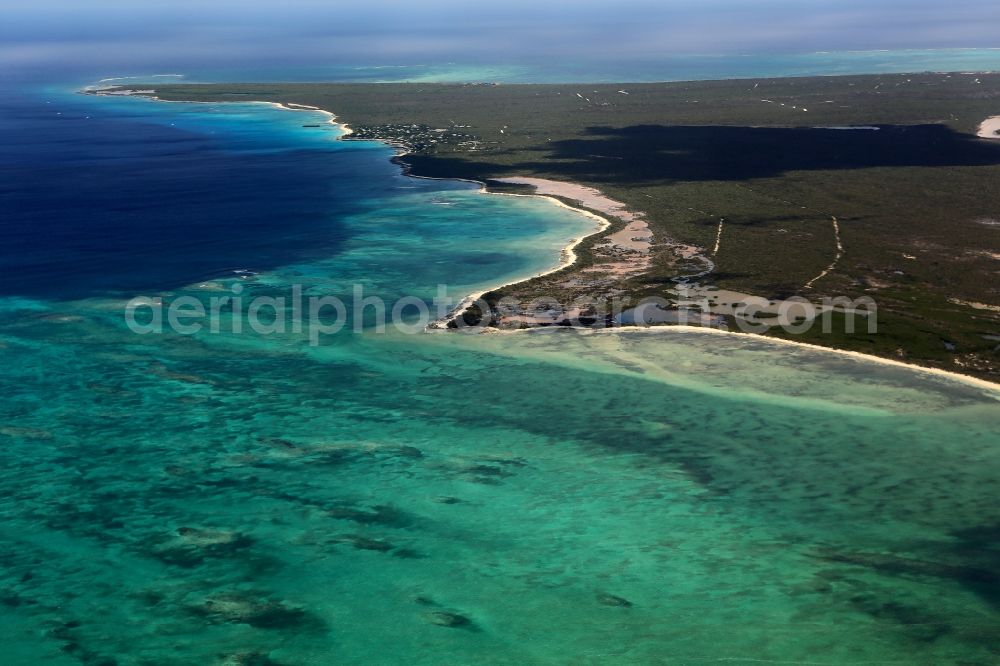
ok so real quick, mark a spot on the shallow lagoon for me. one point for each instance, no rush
(544, 498)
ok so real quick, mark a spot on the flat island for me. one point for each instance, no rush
(719, 192)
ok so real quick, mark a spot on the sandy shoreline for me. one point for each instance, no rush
(595, 200)
(631, 245)
(587, 196)
(567, 254)
(332, 118)
(289, 106)
(989, 128)
(992, 388)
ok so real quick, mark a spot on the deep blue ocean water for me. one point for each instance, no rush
(115, 196)
(426, 499)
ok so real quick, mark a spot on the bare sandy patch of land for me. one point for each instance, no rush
(975, 305)
(586, 196)
(622, 254)
(990, 128)
(625, 252)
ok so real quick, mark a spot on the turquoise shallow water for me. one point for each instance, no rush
(678, 67)
(424, 499)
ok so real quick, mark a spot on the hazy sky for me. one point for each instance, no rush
(159, 33)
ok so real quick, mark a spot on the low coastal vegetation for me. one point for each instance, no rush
(855, 186)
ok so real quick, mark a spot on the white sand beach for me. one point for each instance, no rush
(632, 244)
(567, 256)
(331, 117)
